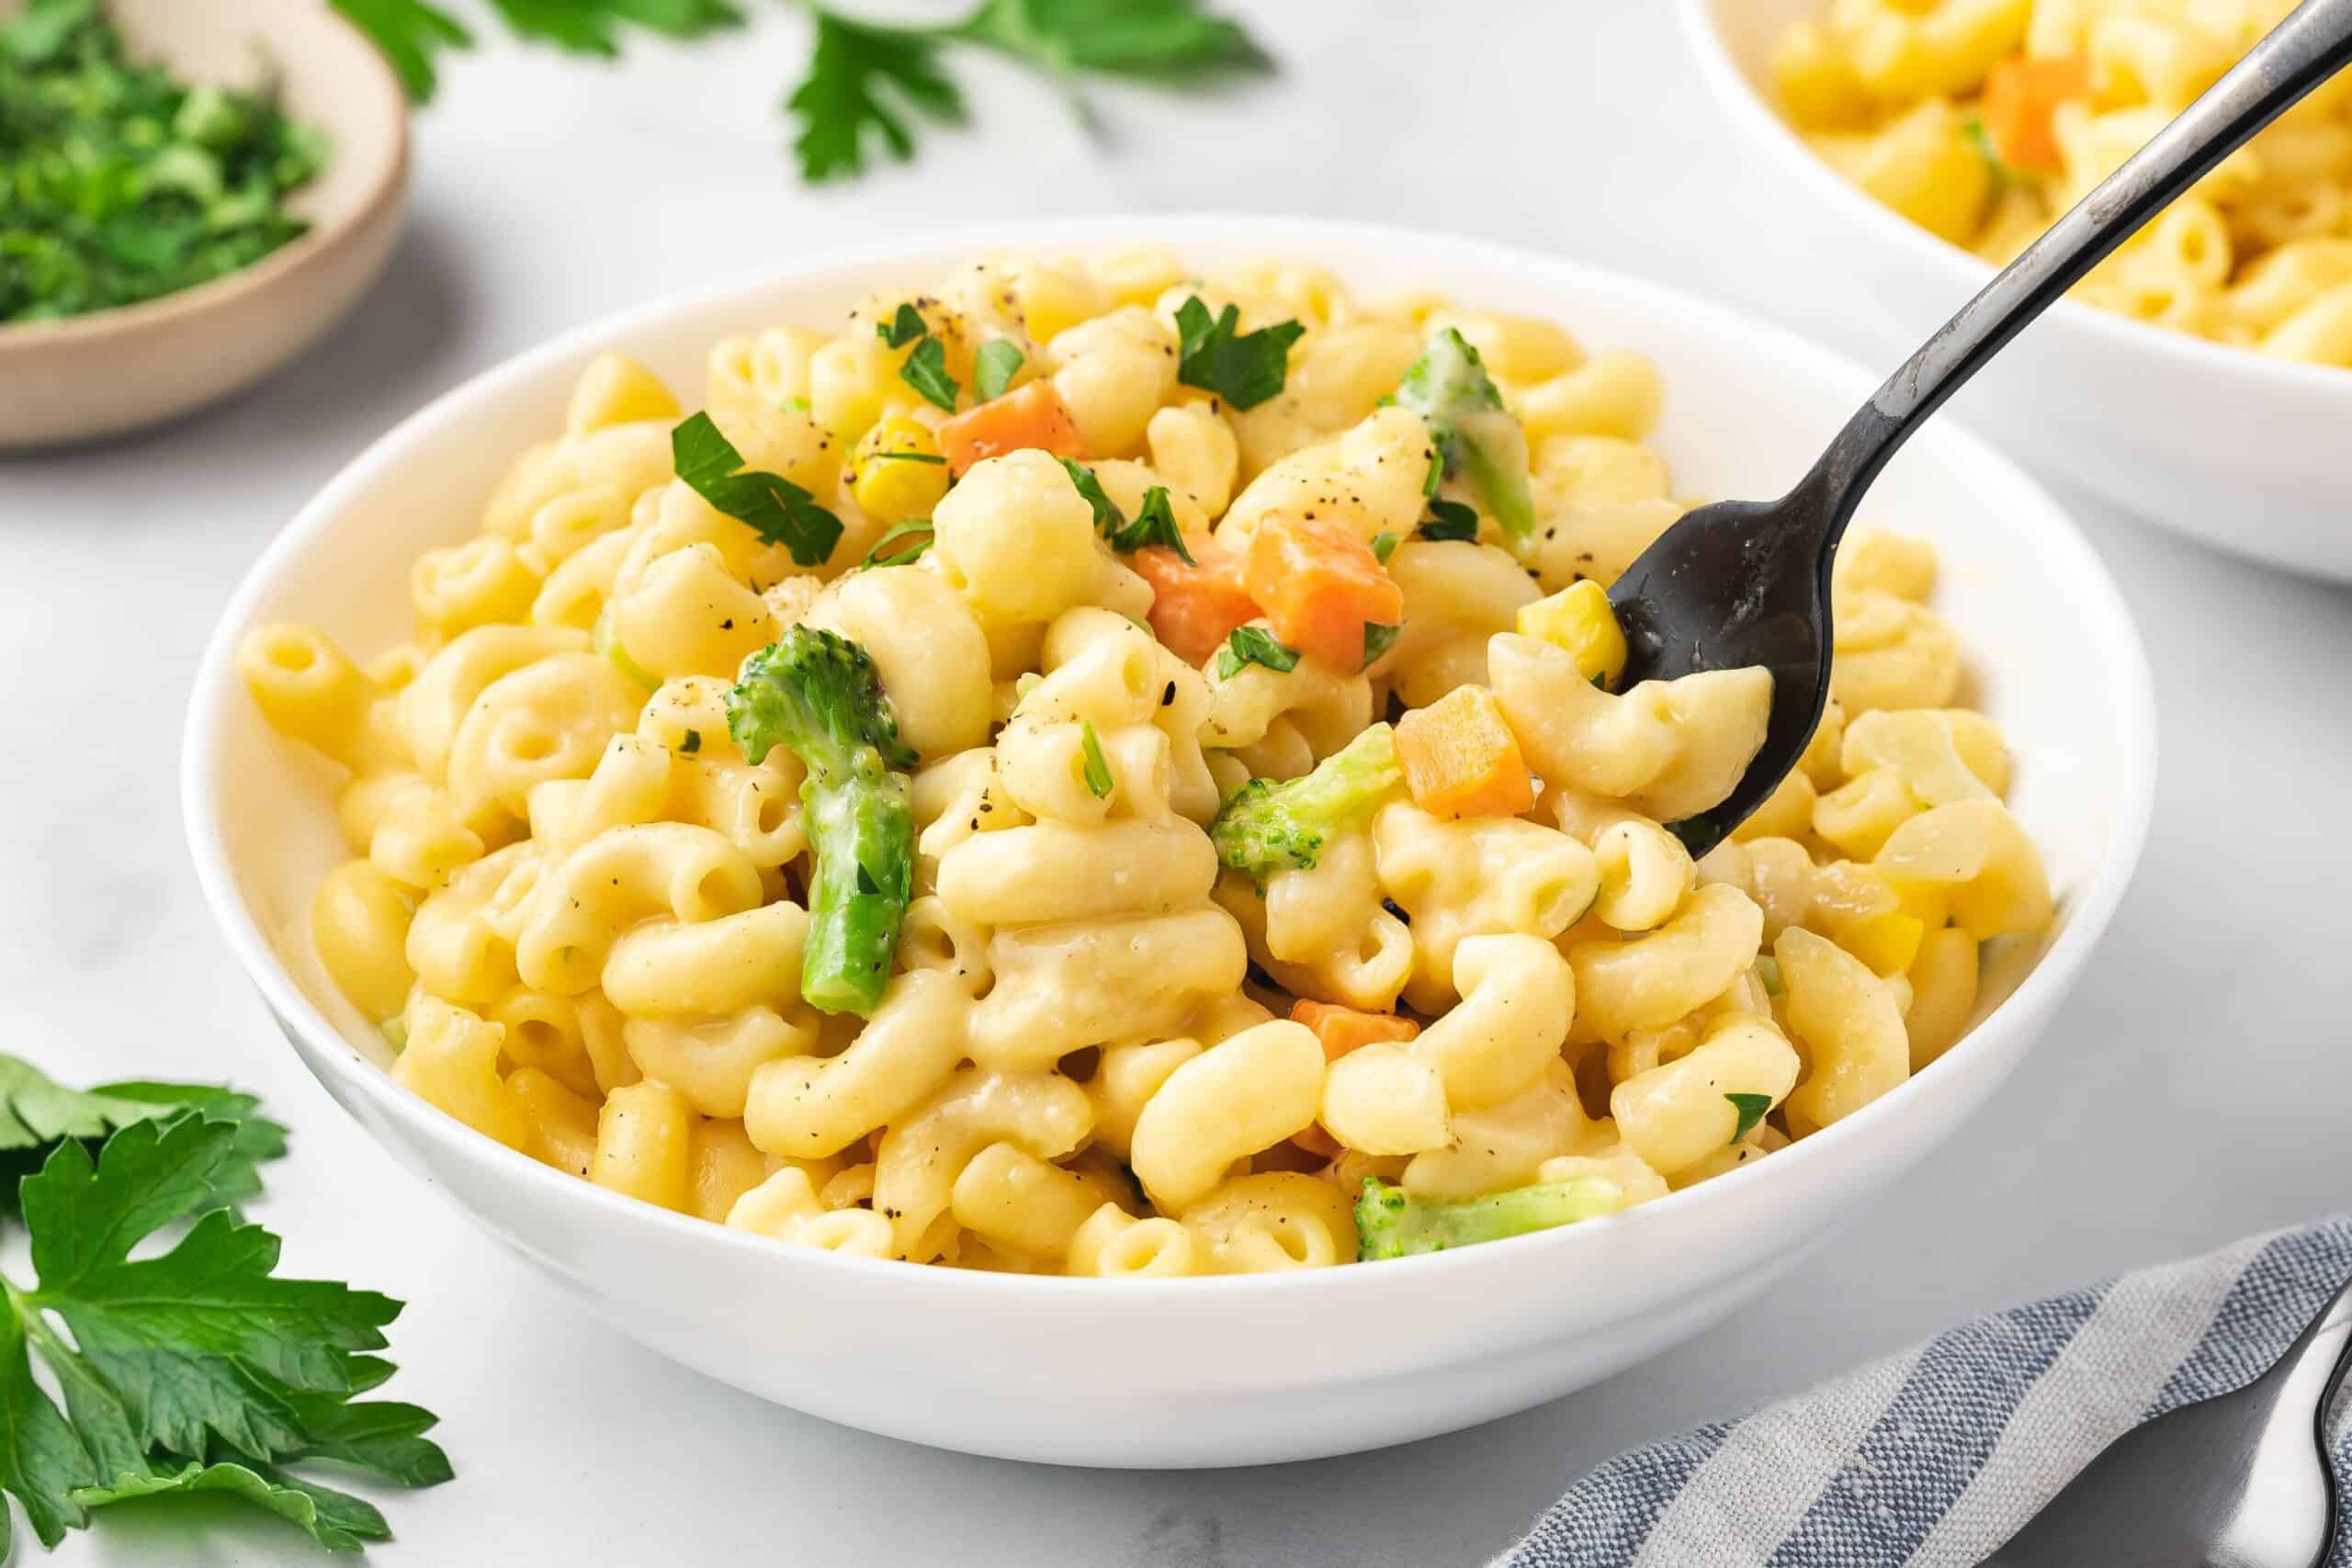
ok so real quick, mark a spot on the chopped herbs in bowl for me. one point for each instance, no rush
(119, 183)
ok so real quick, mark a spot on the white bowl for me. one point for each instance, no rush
(2226, 446)
(1234, 1370)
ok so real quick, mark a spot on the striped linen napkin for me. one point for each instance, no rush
(1934, 1457)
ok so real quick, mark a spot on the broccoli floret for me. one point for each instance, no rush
(1266, 827)
(819, 696)
(1476, 435)
(1390, 1224)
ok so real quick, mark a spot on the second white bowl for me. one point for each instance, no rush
(2242, 451)
(1214, 1371)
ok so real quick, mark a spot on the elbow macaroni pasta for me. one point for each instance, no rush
(579, 911)
(1916, 102)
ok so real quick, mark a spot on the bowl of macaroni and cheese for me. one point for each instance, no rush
(1034, 842)
(2199, 376)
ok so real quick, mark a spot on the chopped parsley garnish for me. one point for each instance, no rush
(772, 506)
(2001, 174)
(905, 458)
(1155, 524)
(1254, 645)
(1106, 516)
(119, 183)
(1751, 1108)
(902, 328)
(692, 743)
(1378, 639)
(1383, 545)
(926, 371)
(1437, 468)
(903, 546)
(1098, 771)
(1243, 369)
(185, 1368)
(1154, 521)
(993, 369)
(1449, 520)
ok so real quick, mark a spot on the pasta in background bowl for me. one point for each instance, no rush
(2198, 376)
(1246, 1368)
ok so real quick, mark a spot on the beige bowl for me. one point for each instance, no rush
(116, 370)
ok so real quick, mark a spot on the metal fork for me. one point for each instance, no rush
(2242, 1480)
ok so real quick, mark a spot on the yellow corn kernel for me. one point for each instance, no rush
(1579, 619)
(895, 472)
(1887, 943)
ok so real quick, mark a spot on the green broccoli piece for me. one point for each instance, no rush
(1476, 435)
(819, 696)
(1265, 827)
(1390, 1224)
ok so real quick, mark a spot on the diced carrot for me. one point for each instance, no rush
(1027, 416)
(1461, 758)
(1320, 585)
(2021, 98)
(1343, 1030)
(1195, 608)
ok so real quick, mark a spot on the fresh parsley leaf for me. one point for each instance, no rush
(883, 554)
(587, 26)
(1154, 521)
(37, 1113)
(1383, 545)
(926, 371)
(1157, 39)
(993, 369)
(1254, 645)
(772, 506)
(1378, 639)
(1436, 473)
(1243, 369)
(410, 33)
(336, 1520)
(1155, 524)
(691, 743)
(1108, 518)
(1449, 520)
(863, 81)
(906, 457)
(191, 1368)
(1751, 1108)
(901, 329)
(1098, 771)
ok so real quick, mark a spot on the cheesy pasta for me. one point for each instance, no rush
(1099, 772)
(1982, 120)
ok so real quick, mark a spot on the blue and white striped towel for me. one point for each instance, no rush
(1934, 1457)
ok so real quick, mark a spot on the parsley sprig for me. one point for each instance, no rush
(772, 506)
(866, 84)
(1155, 519)
(1244, 369)
(190, 1369)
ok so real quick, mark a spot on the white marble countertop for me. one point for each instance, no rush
(2192, 1090)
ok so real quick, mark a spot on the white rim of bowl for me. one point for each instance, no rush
(1729, 85)
(216, 684)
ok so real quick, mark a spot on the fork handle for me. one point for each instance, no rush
(2309, 46)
